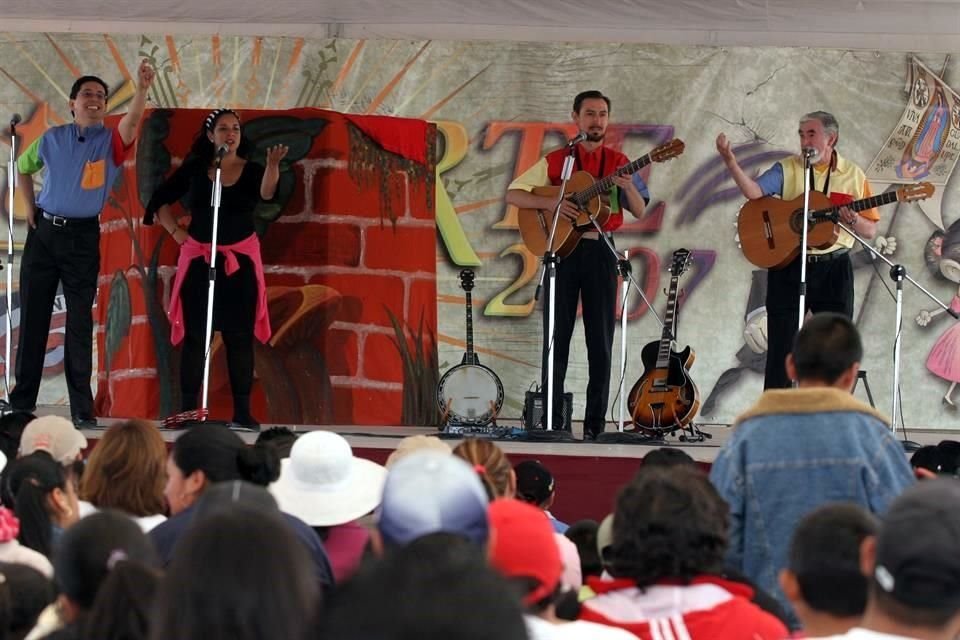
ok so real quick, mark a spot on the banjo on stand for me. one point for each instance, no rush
(469, 395)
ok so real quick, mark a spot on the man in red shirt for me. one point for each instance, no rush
(589, 273)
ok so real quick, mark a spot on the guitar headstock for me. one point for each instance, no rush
(680, 262)
(466, 279)
(667, 150)
(914, 192)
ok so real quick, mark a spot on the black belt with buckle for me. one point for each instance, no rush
(827, 257)
(61, 221)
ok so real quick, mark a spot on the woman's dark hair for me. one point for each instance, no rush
(123, 606)
(239, 574)
(28, 592)
(30, 480)
(202, 148)
(222, 455)
(280, 438)
(465, 598)
(91, 549)
(583, 533)
(669, 522)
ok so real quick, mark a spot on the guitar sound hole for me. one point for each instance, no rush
(795, 222)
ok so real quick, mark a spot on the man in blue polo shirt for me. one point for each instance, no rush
(82, 159)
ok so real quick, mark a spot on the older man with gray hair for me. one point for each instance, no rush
(829, 271)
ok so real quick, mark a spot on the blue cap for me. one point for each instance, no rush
(429, 492)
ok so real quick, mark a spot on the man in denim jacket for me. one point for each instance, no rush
(797, 449)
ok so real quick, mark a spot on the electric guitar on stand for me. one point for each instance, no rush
(469, 395)
(665, 398)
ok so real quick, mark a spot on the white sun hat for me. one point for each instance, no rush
(324, 484)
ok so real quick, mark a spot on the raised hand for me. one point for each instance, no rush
(275, 154)
(723, 148)
(145, 75)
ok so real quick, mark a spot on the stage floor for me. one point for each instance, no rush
(588, 475)
(387, 437)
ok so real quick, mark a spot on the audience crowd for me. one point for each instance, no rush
(811, 523)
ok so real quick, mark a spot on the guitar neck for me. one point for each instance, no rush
(866, 203)
(604, 184)
(666, 338)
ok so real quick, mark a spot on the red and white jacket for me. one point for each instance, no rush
(709, 608)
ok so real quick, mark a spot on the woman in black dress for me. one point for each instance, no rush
(239, 309)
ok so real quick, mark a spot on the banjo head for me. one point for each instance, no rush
(470, 394)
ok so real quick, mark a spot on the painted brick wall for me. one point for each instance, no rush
(339, 260)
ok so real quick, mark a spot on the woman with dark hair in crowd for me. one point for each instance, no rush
(211, 454)
(45, 500)
(24, 594)
(669, 539)
(126, 471)
(240, 308)
(90, 552)
(238, 573)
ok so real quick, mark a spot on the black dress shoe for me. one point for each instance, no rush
(244, 423)
(84, 423)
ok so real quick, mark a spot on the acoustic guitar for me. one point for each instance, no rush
(665, 397)
(585, 192)
(771, 229)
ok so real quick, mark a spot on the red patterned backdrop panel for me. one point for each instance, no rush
(349, 252)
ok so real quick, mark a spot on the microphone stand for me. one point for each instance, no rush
(549, 273)
(807, 169)
(11, 188)
(212, 280)
(898, 273)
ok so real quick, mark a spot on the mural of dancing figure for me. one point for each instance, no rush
(943, 258)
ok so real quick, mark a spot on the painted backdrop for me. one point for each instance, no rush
(497, 107)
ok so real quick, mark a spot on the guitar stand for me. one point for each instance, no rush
(692, 433)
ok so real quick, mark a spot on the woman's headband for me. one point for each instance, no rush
(216, 113)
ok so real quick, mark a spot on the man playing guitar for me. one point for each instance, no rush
(829, 271)
(589, 273)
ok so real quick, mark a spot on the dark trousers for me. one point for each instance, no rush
(588, 275)
(829, 288)
(69, 254)
(235, 301)
(239, 347)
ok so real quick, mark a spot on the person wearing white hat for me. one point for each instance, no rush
(329, 488)
(55, 435)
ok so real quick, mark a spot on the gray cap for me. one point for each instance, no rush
(429, 492)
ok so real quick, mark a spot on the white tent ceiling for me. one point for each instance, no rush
(913, 25)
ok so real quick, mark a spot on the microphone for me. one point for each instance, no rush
(810, 152)
(15, 119)
(221, 151)
(577, 139)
